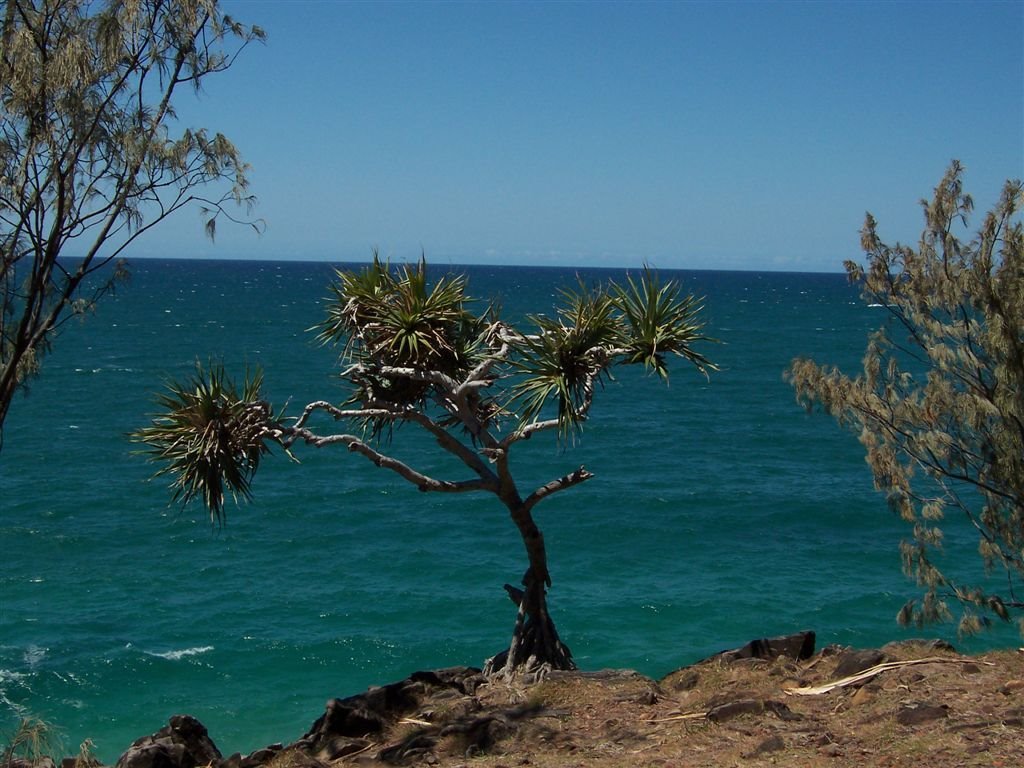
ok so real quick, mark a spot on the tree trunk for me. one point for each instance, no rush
(535, 646)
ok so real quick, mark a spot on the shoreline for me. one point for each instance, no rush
(774, 700)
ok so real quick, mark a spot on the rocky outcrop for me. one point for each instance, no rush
(348, 724)
(798, 646)
(182, 743)
(765, 700)
(852, 661)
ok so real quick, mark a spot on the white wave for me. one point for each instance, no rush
(176, 655)
(33, 655)
(10, 676)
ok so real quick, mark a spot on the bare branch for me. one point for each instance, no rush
(423, 482)
(575, 477)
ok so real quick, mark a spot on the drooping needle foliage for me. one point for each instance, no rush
(939, 406)
(88, 158)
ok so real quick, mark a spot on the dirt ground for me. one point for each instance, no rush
(913, 704)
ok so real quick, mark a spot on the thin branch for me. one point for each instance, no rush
(287, 435)
(575, 477)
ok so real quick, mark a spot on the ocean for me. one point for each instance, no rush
(720, 512)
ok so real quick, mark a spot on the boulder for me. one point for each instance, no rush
(797, 647)
(183, 743)
(918, 713)
(918, 644)
(43, 761)
(852, 662)
(254, 759)
(365, 714)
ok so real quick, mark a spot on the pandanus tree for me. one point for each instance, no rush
(414, 352)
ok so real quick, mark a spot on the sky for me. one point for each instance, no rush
(694, 135)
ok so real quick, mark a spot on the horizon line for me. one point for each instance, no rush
(436, 263)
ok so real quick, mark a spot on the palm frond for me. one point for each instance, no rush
(355, 301)
(398, 319)
(567, 356)
(209, 435)
(659, 321)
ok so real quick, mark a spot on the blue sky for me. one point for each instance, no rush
(737, 135)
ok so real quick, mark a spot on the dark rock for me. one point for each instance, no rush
(853, 661)
(781, 711)
(771, 744)
(43, 761)
(260, 756)
(718, 713)
(365, 714)
(724, 712)
(351, 717)
(798, 647)
(686, 681)
(254, 759)
(646, 698)
(338, 748)
(415, 746)
(915, 714)
(182, 743)
(463, 679)
(928, 645)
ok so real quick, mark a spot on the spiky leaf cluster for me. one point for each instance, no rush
(396, 318)
(567, 356)
(939, 406)
(404, 339)
(414, 351)
(640, 323)
(659, 322)
(209, 436)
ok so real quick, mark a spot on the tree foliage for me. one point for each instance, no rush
(940, 403)
(88, 158)
(422, 353)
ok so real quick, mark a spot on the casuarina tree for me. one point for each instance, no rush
(90, 157)
(939, 406)
(422, 354)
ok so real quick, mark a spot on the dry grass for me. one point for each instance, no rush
(922, 707)
(970, 710)
(31, 740)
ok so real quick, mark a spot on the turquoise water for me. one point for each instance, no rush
(720, 512)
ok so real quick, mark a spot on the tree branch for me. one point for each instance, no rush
(287, 435)
(566, 481)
